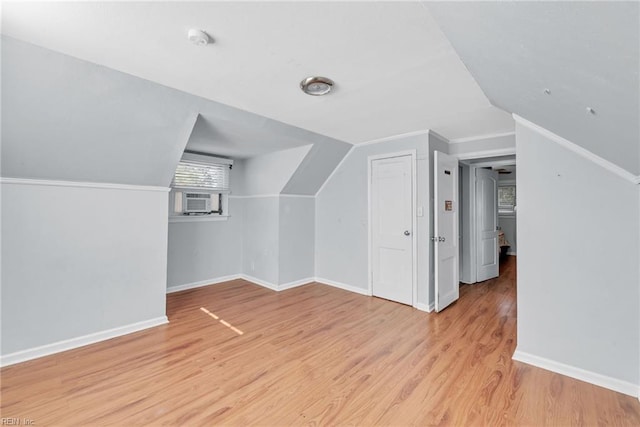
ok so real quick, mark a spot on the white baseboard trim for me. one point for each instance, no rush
(259, 282)
(578, 373)
(246, 277)
(70, 344)
(343, 286)
(202, 283)
(424, 307)
(296, 283)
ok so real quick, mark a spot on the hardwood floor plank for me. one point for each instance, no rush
(312, 355)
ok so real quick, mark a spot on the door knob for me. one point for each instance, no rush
(441, 239)
(406, 232)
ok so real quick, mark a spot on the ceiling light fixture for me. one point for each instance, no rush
(198, 37)
(316, 86)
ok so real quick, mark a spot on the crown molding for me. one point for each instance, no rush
(481, 137)
(394, 137)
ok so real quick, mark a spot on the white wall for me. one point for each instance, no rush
(578, 252)
(342, 212)
(78, 261)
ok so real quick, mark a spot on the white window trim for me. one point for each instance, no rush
(199, 218)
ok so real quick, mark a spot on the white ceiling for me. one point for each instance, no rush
(394, 69)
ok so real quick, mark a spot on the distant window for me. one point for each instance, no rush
(201, 187)
(507, 199)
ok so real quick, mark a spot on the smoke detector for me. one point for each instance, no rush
(198, 37)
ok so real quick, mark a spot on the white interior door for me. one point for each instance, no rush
(391, 228)
(486, 224)
(446, 255)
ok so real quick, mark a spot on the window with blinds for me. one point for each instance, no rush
(205, 176)
(506, 199)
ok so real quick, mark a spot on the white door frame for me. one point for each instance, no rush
(414, 219)
(472, 201)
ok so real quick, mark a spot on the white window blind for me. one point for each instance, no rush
(206, 176)
(506, 198)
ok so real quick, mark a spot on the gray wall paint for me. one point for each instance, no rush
(342, 212)
(467, 244)
(578, 251)
(236, 139)
(297, 239)
(507, 223)
(205, 250)
(269, 173)
(82, 122)
(269, 238)
(68, 272)
(316, 167)
(261, 238)
(586, 53)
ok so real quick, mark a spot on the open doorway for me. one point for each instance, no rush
(487, 216)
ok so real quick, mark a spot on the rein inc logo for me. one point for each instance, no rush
(8, 421)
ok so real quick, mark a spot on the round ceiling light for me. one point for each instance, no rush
(316, 86)
(198, 37)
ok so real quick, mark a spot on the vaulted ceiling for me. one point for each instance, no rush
(586, 54)
(394, 69)
(458, 68)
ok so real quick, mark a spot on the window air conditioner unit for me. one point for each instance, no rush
(196, 202)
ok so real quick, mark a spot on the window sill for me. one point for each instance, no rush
(199, 218)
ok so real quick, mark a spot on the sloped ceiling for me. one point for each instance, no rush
(586, 53)
(235, 139)
(65, 119)
(395, 71)
(68, 119)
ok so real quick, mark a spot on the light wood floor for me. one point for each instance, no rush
(311, 355)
